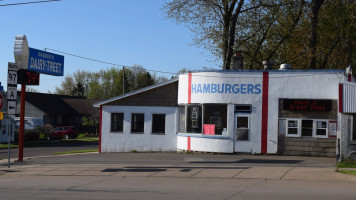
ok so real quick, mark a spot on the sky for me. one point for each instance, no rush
(123, 32)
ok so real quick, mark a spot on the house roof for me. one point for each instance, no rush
(58, 104)
(81, 106)
(98, 104)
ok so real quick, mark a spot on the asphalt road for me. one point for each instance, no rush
(161, 176)
(48, 148)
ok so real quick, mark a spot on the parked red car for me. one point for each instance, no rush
(65, 132)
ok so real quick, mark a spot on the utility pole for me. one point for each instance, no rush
(123, 80)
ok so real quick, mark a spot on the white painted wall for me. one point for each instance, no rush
(282, 84)
(205, 144)
(30, 110)
(127, 141)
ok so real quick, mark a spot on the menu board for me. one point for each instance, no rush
(307, 105)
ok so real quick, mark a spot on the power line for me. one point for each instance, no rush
(196, 73)
(108, 63)
(30, 2)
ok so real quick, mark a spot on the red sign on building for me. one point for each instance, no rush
(306, 105)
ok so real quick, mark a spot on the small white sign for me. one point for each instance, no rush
(12, 93)
(12, 78)
(12, 66)
(11, 107)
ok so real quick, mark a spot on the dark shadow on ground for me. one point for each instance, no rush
(160, 169)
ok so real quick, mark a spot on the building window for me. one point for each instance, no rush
(137, 123)
(292, 128)
(159, 123)
(243, 108)
(242, 128)
(117, 122)
(216, 115)
(307, 128)
(181, 119)
(310, 128)
(194, 118)
(321, 128)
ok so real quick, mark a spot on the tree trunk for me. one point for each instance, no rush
(316, 5)
(232, 35)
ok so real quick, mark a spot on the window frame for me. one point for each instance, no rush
(248, 111)
(203, 109)
(188, 118)
(111, 121)
(248, 127)
(316, 128)
(223, 121)
(158, 133)
(298, 128)
(132, 124)
(184, 119)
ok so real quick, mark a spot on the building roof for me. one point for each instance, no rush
(59, 104)
(81, 106)
(98, 104)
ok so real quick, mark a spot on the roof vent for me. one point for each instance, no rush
(285, 67)
(267, 65)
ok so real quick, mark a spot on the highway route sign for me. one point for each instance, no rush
(12, 93)
(11, 107)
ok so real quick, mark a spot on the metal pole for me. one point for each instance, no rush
(22, 121)
(8, 140)
(123, 80)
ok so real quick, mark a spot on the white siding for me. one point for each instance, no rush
(349, 97)
(126, 141)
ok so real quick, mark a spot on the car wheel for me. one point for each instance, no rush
(66, 137)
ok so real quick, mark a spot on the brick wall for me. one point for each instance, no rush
(323, 147)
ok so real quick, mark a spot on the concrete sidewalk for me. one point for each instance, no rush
(224, 171)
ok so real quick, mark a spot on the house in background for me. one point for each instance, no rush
(57, 110)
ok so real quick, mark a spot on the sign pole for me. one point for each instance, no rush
(9, 141)
(22, 120)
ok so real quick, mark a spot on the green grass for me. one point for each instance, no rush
(351, 172)
(348, 163)
(5, 146)
(79, 151)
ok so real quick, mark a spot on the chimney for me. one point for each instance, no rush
(237, 61)
(267, 65)
(285, 67)
(349, 70)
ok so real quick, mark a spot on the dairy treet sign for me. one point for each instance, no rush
(45, 62)
(36, 60)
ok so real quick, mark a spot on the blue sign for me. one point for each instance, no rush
(45, 63)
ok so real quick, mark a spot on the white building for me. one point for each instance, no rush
(293, 112)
